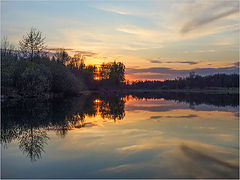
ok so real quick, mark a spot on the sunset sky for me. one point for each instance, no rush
(159, 39)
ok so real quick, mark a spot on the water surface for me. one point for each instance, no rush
(138, 136)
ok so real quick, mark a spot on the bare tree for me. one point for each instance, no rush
(6, 47)
(32, 44)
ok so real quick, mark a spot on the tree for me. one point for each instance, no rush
(114, 71)
(6, 48)
(117, 72)
(62, 56)
(78, 61)
(32, 44)
(53, 59)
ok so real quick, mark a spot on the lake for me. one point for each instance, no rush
(170, 135)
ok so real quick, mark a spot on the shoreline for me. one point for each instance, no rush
(48, 96)
(207, 91)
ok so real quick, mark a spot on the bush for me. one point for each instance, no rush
(35, 78)
(63, 80)
(31, 79)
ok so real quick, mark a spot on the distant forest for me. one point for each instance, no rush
(193, 81)
(29, 71)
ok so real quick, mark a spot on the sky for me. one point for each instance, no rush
(155, 39)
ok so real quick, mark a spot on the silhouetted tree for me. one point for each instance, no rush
(62, 56)
(113, 72)
(6, 48)
(117, 72)
(32, 44)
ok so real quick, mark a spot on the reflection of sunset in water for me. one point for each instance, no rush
(96, 78)
(97, 101)
(154, 138)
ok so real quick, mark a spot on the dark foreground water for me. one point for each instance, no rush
(140, 136)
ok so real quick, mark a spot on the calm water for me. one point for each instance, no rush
(140, 136)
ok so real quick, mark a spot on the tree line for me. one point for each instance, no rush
(30, 71)
(193, 81)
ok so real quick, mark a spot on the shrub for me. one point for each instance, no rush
(32, 79)
(63, 80)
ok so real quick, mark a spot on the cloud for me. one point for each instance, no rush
(57, 49)
(86, 53)
(155, 61)
(236, 64)
(183, 62)
(162, 108)
(203, 157)
(115, 10)
(209, 14)
(204, 51)
(170, 73)
(187, 116)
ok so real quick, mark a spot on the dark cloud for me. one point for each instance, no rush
(210, 15)
(86, 53)
(57, 49)
(236, 64)
(156, 117)
(183, 62)
(155, 61)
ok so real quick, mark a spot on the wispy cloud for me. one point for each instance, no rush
(210, 12)
(85, 53)
(182, 62)
(57, 49)
(114, 10)
(155, 61)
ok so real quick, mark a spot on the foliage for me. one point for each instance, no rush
(32, 44)
(31, 79)
(190, 82)
(62, 56)
(112, 74)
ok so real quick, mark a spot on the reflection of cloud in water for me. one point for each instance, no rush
(162, 108)
(203, 161)
(175, 106)
(187, 116)
(168, 158)
(200, 156)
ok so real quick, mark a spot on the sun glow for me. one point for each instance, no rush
(97, 101)
(96, 78)
(97, 73)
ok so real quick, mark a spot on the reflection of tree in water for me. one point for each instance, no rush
(112, 109)
(24, 122)
(192, 98)
(28, 122)
(32, 141)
